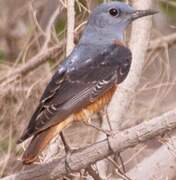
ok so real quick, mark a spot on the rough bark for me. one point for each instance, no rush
(84, 157)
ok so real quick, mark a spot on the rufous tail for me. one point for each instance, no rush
(41, 140)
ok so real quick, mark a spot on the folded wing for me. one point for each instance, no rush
(74, 88)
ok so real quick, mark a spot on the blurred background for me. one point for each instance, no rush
(31, 43)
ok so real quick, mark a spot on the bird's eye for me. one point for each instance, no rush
(114, 12)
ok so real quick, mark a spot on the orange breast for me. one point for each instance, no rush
(96, 106)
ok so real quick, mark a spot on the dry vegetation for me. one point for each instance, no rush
(33, 43)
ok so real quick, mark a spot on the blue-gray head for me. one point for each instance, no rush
(109, 21)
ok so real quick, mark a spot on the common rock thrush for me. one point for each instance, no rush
(85, 82)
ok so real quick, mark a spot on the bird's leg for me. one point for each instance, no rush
(107, 118)
(66, 146)
(68, 152)
(111, 133)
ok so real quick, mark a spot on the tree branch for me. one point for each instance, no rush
(138, 44)
(161, 42)
(70, 25)
(44, 54)
(32, 64)
(84, 157)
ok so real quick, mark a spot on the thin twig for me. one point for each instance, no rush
(70, 25)
(35, 62)
(119, 172)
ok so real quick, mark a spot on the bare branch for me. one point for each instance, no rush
(70, 25)
(84, 157)
(138, 44)
(32, 64)
(163, 41)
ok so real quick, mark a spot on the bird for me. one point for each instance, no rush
(87, 79)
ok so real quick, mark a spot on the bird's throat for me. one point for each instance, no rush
(100, 36)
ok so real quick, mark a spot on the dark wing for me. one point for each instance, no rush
(75, 87)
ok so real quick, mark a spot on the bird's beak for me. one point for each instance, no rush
(141, 13)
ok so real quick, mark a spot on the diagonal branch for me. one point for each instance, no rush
(84, 157)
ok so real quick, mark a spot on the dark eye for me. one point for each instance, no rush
(114, 12)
